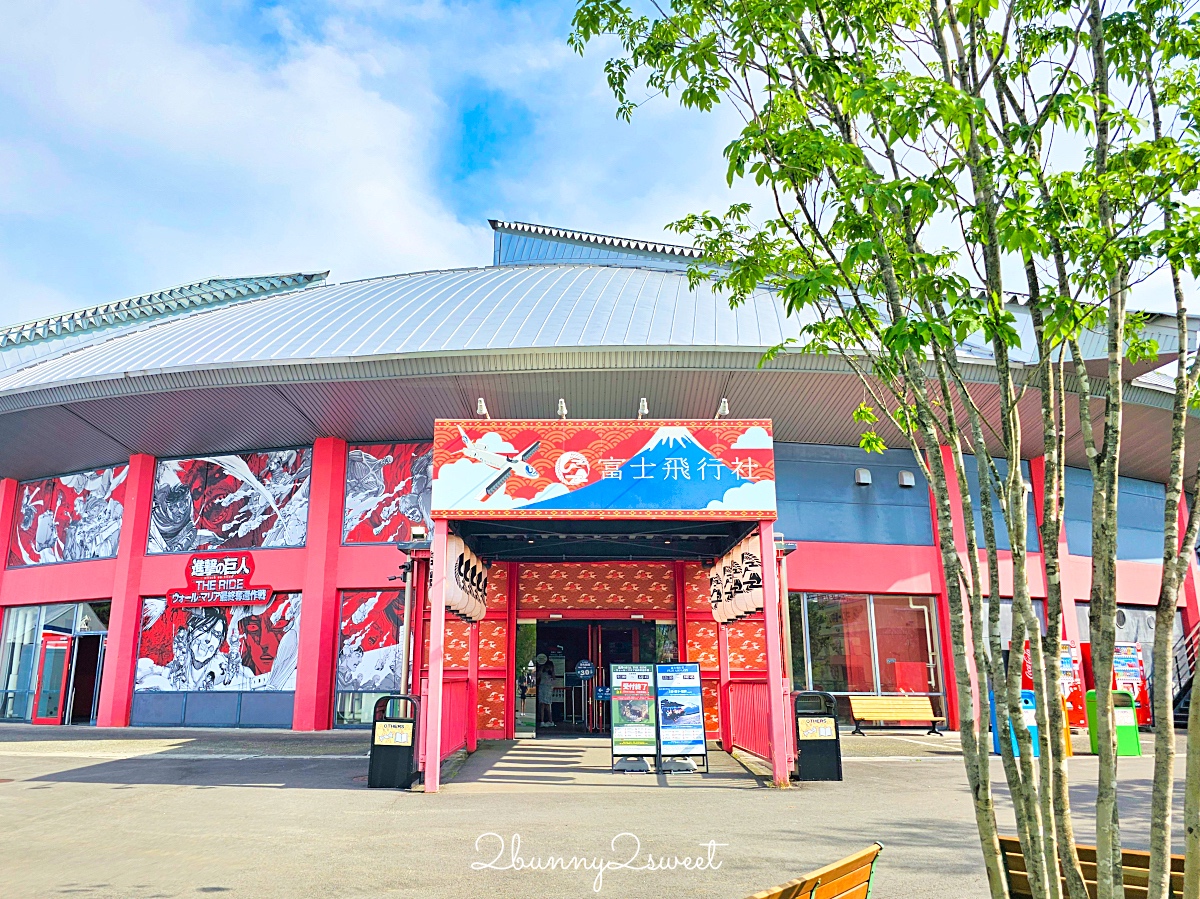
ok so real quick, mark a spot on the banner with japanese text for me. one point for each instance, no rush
(603, 469)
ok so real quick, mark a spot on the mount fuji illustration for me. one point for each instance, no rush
(673, 471)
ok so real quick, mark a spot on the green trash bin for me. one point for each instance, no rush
(1124, 718)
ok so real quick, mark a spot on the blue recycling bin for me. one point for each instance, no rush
(1028, 715)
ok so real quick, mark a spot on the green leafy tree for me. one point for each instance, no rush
(941, 172)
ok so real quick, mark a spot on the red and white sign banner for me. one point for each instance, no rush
(220, 579)
(603, 469)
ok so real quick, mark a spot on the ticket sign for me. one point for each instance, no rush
(680, 710)
(634, 730)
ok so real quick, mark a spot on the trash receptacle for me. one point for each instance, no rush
(394, 743)
(1028, 715)
(818, 742)
(1124, 720)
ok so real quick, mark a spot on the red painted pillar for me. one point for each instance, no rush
(510, 694)
(437, 640)
(473, 686)
(946, 647)
(1191, 608)
(319, 608)
(9, 491)
(1070, 619)
(723, 679)
(680, 573)
(781, 765)
(125, 618)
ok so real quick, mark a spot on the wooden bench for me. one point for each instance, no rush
(849, 878)
(893, 709)
(1135, 866)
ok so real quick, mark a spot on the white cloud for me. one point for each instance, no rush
(754, 437)
(497, 444)
(758, 496)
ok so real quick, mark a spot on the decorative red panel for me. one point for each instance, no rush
(640, 587)
(747, 646)
(695, 587)
(712, 706)
(497, 588)
(457, 647)
(69, 518)
(493, 644)
(702, 644)
(491, 704)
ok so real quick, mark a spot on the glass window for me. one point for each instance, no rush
(92, 617)
(59, 618)
(904, 636)
(839, 639)
(17, 657)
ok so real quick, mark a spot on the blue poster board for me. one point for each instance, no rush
(680, 710)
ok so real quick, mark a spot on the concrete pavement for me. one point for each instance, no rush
(152, 813)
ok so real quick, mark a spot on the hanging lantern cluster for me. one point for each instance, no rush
(735, 582)
(466, 581)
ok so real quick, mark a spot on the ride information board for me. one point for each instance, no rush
(634, 731)
(680, 710)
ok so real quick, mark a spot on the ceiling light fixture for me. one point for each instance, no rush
(723, 409)
(562, 409)
(643, 408)
(481, 409)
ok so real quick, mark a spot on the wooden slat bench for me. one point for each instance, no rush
(894, 709)
(849, 878)
(1135, 865)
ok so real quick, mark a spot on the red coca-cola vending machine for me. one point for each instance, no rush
(1070, 684)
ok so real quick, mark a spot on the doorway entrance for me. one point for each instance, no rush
(68, 655)
(553, 697)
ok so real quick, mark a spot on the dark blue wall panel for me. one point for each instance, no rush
(1140, 507)
(819, 501)
(1002, 542)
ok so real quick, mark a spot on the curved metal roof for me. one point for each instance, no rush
(488, 310)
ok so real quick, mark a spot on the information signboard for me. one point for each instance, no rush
(680, 710)
(633, 711)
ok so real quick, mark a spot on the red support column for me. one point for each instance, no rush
(781, 765)
(680, 612)
(472, 686)
(437, 639)
(510, 694)
(319, 612)
(9, 490)
(946, 647)
(125, 619)
(723, 679)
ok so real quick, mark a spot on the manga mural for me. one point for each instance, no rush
(219, 647)
(244, 501)
(388, 487)
(371, 641)
(69, 518)
(604, 469)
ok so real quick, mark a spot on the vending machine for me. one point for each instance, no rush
(1129, 673)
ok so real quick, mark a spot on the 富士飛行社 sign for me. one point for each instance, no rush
(603, 469)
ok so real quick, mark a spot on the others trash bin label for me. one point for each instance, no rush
(816, 728)
(393, 733)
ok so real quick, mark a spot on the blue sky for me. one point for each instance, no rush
(147, 144)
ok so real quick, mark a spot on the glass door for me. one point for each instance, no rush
(525, 705)
(52, 679)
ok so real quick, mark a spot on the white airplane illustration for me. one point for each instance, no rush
(507, 464)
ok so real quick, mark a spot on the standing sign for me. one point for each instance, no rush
(633, 711)
(680, 710)
(1129, 673)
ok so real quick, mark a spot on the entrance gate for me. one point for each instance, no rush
(599, 492)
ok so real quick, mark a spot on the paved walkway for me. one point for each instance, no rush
(167, 813)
